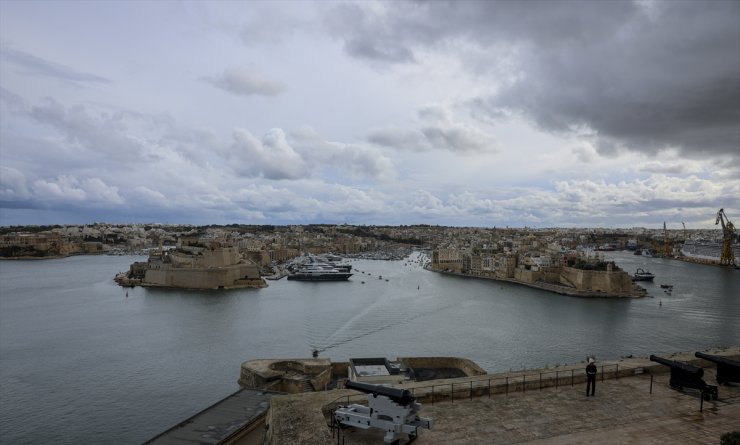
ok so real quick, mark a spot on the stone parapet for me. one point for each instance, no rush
(286, 375)
(469, 367)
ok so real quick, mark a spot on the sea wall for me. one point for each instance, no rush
(238, 275)
(566, 288)
(612, 282)
(548, 275)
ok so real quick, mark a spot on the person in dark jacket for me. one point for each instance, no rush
(591, 377)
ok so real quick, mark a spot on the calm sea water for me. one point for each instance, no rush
(85, 361)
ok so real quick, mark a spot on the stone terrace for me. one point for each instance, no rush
(623, 411)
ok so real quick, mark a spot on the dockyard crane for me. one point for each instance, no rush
(666, 246)
(728, 230)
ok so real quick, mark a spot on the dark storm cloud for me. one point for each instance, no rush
(640, 76)
(359, 28)
(37, 65)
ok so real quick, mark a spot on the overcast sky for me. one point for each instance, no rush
(485, 113)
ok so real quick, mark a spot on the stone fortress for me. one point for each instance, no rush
(194, 265)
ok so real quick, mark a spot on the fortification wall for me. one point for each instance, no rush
(286, 375)
(616, 282)
(210, 278)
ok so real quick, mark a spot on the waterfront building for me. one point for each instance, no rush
(447, 259)
(35, 245)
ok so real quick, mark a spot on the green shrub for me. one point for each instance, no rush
(732, 438)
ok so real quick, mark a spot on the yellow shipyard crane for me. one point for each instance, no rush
(728, 230)
(666, 246)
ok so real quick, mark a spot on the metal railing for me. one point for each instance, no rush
(514, 382)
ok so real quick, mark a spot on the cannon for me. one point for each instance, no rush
(727, 370)
(684, 375)
(393, 410)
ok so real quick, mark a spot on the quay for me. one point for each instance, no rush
(633, 404)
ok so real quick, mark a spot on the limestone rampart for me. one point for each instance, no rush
(567, 288)
(238, 275)
(613, 282)
(286, 375)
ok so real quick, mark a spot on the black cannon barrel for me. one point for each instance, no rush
(686, 368)
(398, 395)
(718, 359)
(727, 370)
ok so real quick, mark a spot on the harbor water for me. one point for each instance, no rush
(85, 361)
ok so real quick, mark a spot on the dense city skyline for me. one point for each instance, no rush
(539, 113)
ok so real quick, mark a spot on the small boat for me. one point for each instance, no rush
(642, 275)
(666, 286)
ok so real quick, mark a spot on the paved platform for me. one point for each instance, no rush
(622, 412)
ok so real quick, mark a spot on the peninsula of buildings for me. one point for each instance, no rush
(551, 267)
(565, 260)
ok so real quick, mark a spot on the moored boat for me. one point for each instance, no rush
(313, 272)
(642, 275)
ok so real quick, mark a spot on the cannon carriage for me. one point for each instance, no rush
(393, 410)
(727, 370)
(685, 375)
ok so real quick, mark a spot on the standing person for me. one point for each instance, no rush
(591, 376)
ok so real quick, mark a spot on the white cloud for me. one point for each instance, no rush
(246, 82)
(13, 185)
(100, 134)
(571, 113)
(349, 159)
(143, 195)
(64, 188)
(437, 130)
(35, 65)
(271, 158)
